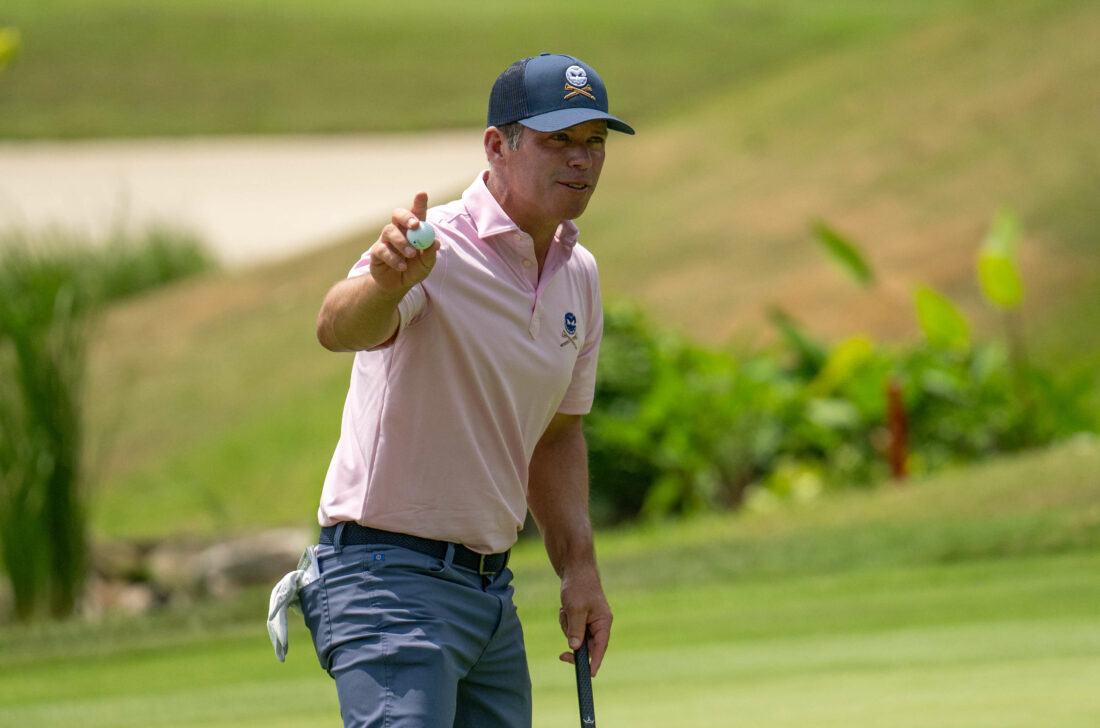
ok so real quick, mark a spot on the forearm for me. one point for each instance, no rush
(558, 498)
(357, 315)
(361, 313)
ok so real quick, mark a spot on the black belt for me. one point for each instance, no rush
(356, 534)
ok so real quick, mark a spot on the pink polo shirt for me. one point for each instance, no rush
(438, 428)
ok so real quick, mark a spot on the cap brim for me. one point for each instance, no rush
(565, 118)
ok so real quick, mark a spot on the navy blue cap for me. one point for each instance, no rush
(550, 92)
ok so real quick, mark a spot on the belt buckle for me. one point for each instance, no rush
(481, 566)
(482, 571)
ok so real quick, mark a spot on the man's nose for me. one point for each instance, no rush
(580, 157)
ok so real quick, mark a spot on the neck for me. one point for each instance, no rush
(541, 232)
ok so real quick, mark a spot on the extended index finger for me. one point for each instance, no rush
(420, 206)
(409, 219)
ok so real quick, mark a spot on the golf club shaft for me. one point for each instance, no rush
(584, 686)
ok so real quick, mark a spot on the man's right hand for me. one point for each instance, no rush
(361, 313)
(395, 264)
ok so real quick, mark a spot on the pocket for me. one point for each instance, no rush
(315, 612)
(364, 591)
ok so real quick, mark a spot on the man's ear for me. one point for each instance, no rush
(495, 144)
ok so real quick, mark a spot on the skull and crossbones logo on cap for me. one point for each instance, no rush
(576, 83)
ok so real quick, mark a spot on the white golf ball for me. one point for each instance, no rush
(422, 237)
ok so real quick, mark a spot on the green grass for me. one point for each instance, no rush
(975, 645)
(124, 67)
(964, 600)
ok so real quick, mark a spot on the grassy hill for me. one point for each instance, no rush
(909, 144)
(968, 599)
(905, 126)
(93, 68)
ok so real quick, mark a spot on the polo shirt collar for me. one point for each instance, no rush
(491, 220)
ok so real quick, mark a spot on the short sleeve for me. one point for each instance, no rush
(582, 387)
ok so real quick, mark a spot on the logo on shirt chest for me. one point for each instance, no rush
(569, 330)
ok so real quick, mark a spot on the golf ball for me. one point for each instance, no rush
(422, 237)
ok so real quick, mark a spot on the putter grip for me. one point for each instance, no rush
(584, 686)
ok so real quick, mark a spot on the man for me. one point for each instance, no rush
(475, 363)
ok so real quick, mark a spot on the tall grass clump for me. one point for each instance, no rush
(50, 289)
(121, 264)
(43, 335)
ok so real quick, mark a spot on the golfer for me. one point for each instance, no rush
(476, 360)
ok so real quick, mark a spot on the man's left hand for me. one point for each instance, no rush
(584, 610)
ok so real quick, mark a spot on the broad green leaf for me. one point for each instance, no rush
(845, 252)
(844, 361)
(833, 414)
(943, 324)
(998, 273)
(1000, 280)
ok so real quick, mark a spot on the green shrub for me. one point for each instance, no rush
(676, 429)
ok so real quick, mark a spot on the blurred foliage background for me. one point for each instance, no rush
(802, 223)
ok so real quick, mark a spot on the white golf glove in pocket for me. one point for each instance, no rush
(285, 596)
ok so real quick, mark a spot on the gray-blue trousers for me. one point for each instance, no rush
(416, 641)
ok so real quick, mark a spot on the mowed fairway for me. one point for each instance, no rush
(993, 644)
(967, 600)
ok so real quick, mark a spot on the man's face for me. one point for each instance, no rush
(552, 176)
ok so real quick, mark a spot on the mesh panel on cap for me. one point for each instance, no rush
(508, 99)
